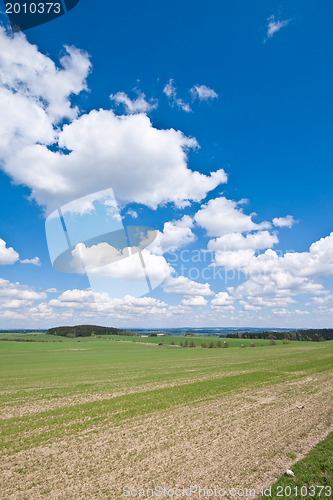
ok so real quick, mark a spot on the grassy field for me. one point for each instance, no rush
(165, 339)
(313, 476)
(177, 339)
(81, 418)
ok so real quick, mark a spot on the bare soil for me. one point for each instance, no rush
(240, 440)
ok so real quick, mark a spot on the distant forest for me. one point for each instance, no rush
(313, 335)
(22, 331)
(301, 335)
(86, 331)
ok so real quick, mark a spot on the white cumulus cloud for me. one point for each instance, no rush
(184, 286)
(8, 255)
(24, 70)
(176, 234)
(197, 301)
(141, 163)
(275, 278)
(35, 261)
(17, 296)
(287, 221)
(94, 151)
(106, 261)
(236, 241)
(221, 216)
(222, 299)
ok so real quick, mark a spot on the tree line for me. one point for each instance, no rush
(86, 331)
(314, 335)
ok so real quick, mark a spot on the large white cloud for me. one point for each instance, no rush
(221, 216)
(222, 299)
(236, 241)
(234, 259)
(106, 261)
(8, 255)
(23, 122)
(273, 279)
(75, 299)
(318, 261)
(235, 251)
(26, 71)
(141, 163)
(176, 234)
(96, 256)
(276, 288)
(94, 151)
(273, 276)
(287, 221)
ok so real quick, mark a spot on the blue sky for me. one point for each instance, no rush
(238, 88)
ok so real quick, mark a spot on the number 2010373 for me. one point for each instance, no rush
(304, 491)
(33, 8)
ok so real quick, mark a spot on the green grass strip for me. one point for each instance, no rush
(313, 476)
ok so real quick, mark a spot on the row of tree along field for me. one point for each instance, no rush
(301, 335)
(87, 331)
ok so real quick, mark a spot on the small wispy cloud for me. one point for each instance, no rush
(274, 25)
(203, 93)
(35, 261)
(132, 213)
(171, 92)
(287, 221)
(133, 106)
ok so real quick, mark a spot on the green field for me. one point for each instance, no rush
(69, 392)
(177, 339)
(165, 339)
(313, 476)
